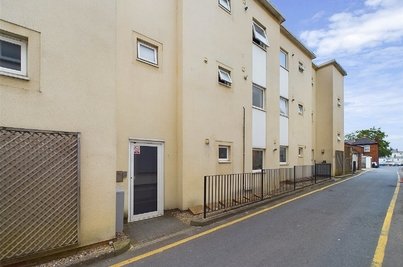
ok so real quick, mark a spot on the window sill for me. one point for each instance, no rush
(16, 76)
(260, 46)
(282, 115)
(283, 163)
(148, 62)
(226, 85)
(257, 108)
(224, 161)
(225, 9)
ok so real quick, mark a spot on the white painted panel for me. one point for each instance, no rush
(258, 128)
(283, 131)
(259, 66)
(283, 82)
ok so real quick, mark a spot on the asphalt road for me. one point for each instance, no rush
(338, 226)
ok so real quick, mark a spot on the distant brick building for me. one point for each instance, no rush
(371, 148)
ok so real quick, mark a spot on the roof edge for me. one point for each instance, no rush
(331, 62)
(272, 10)
(297, 42)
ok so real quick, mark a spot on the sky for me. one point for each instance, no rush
(366, 38)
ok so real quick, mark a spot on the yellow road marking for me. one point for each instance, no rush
(190, 238)
(379, 255)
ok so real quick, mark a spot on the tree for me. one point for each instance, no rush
(375, 134)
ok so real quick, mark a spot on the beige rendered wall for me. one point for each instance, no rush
(300, 92)
(71, 58)
(338, 111)
(146, 94)
(324, 118)
(211, 37)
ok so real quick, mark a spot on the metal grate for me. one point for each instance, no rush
(39, 191)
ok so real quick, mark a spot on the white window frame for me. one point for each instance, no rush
(224, 77)
(285, 54)
(300, 109)
(227, 158)
(146, 45)
(262, 151)
(287, 107)
(23, 45)
(286, 155)
(263, 90)
(225, 4)
(261, 38)
(300, 152)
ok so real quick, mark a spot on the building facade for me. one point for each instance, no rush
(164, 93)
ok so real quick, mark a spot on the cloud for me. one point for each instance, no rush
(380, 22)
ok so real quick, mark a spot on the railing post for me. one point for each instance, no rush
(295, 174)
(205, 198)
(261, 184)
(316, 171)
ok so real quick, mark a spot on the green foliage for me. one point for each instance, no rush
(375, 134)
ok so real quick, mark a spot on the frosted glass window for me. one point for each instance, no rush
(147, 53)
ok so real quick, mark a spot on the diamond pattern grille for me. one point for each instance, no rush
(39, 191)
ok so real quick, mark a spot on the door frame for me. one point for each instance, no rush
(159, 144)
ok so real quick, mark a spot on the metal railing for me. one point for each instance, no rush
(229, 191)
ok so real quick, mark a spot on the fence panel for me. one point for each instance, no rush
(39, 191)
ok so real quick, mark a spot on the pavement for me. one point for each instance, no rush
(145, 233)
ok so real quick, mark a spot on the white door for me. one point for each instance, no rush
(146, 199)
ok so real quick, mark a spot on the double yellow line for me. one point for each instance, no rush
(379, 255)
(212, 230)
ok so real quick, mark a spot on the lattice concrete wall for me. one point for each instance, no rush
(39, 191)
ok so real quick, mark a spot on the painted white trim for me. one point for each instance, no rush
(160, 179)
(155, 49)
(262, 37)
(23, 45)
(226, 4)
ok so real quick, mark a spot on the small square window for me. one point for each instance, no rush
(224, 77)
(223, 153)
(259, 35)
(13, 55)
(300, 109)
(300, 152)
(283, 154)
(283, 59)
(226, 4)
(284, 106)
(258, 97)
(147, 52)
(257, 159)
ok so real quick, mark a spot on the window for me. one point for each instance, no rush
(257, 159)
(259, 35)
(258, 97)
(224, 77)
(284, 59)
(283, 154)
(300, 109)
(367, 148)
(13, 55)
(300, 152)
(223, 153)
(226, 4)
(147, 52)
(284, 106)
